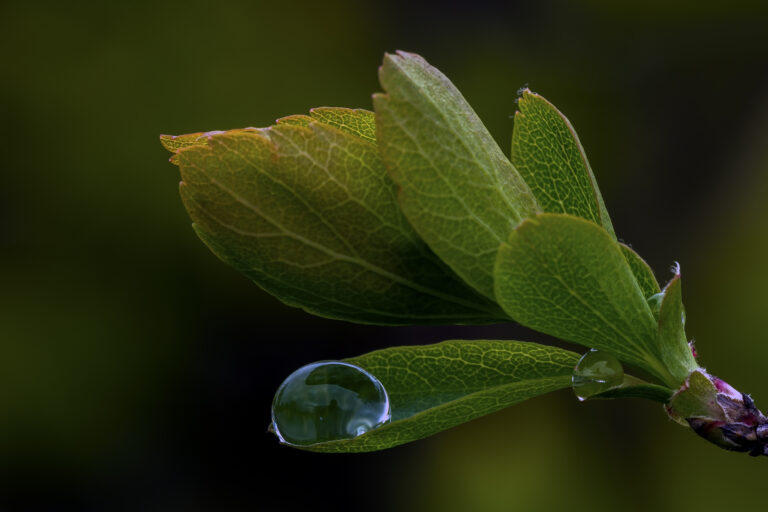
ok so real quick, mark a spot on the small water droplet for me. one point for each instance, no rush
(654, 302)
(327, 401)
(595, 373)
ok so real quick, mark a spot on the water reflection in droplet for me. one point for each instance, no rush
(327, 401)
(596, 372)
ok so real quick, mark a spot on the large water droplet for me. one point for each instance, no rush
(327, 401)
(595, 373)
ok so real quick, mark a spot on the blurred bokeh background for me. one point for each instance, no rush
(136, 370)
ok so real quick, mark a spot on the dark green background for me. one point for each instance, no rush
(136, 371)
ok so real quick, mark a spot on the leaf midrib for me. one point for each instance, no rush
(447, 123)
(376, 312)
(333, 178)
(458, 197)
(338, 256)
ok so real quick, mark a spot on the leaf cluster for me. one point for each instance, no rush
(412, 214)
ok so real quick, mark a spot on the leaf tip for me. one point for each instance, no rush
(167, 142)
(390, 60)
(409, 55)
(676, 276)
(526, 96)
(388, 57)
(400, 58)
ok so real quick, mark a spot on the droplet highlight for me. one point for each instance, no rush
(328, 401)
(595, 373)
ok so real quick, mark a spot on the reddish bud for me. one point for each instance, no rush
(719, 413)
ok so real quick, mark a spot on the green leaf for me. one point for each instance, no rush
(295, 120)
(697, 399)
(175, 142)
(458, 190)
(675, 351)
(565, 276)
(307, 210)
(549, 156)
(642, 272)
(360, 123)
(436, 387)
